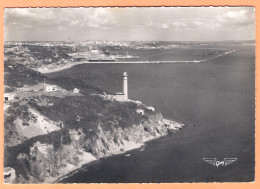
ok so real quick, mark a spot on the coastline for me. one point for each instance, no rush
(56, 68)
(70, 169)
(128, 147)
(45, 69)
(76, 169)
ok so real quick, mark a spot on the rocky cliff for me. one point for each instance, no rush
(44, 162)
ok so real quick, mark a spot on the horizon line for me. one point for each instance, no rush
(129, 40)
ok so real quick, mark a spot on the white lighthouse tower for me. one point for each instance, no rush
(125, 87)
(123, 96)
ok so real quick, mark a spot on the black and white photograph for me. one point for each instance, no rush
(129, 95)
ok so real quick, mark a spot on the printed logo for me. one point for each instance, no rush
(216, 163)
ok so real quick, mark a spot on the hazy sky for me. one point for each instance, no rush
(158, 23)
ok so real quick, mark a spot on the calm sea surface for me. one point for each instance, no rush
(216, 96)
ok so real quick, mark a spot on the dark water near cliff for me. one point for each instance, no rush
(216, 96)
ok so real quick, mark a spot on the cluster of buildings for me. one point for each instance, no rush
(46, 88)
(53, 88)
(92, 56)
(16, 49)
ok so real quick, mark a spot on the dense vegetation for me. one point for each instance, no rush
(18, 75)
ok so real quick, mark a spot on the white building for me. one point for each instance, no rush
(9, 97)
(120, 96)
(95, 52)
(140, 111)
(50, 88)
(76, 90)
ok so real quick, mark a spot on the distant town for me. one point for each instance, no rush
(46, 56)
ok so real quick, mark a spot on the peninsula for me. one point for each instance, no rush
(54, 126)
